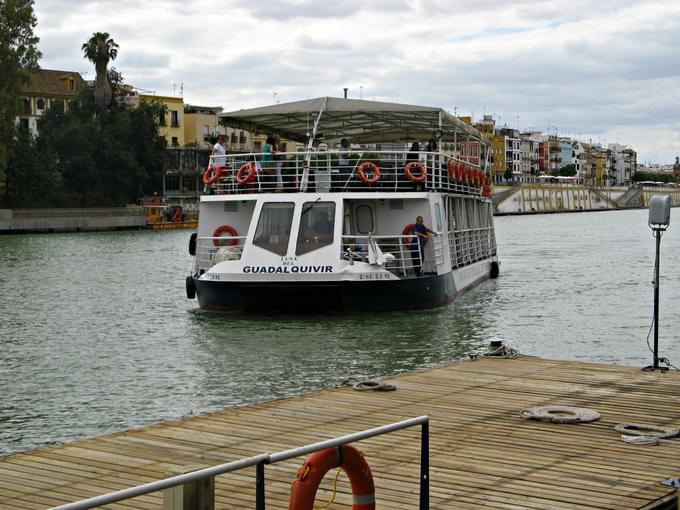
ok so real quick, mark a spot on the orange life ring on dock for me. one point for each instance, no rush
(407, 231)
(247, 173)
(225, 229)
(316, 466)
(372, 167)
(212, 175)
(421, 172)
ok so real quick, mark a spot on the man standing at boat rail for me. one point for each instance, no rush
(420, 235)
(219, 153)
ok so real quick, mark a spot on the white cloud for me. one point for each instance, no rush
(581, 67)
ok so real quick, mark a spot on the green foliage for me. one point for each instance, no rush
(653, 176)
(28, 174)
(566, 171)
(18, 53)
(89, 160)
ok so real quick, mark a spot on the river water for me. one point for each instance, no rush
(96, 334)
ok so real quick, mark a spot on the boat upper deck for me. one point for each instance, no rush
(358, 170)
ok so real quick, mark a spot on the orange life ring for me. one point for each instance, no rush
(452, 169)
(407, 231)
(316, 466)
(247, 173)
(475, 177)
(459, 172)
(212, 175)
(222, 230)
(361, 172)
(421, 172)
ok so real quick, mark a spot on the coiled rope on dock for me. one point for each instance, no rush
(560, 414)
(496, 350)
(368, 384)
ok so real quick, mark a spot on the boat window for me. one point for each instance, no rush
(364, 215)
(438, 217)
(317, 223)
(273, 227)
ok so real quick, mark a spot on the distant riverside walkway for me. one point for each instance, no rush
(18, 221)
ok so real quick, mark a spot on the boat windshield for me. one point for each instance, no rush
(273, 227)
(317, 224)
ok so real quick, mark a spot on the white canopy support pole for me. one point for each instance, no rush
(310, 145)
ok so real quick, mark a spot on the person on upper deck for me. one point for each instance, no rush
(341, 173)
(267, 161)
(420, 235)
(413, 155)
(219, 153)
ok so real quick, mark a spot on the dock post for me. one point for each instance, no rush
(259, 486)
(425, 466)
(197, 495)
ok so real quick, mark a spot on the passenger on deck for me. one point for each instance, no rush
(267, 163)
(219, 153)
(420, 235)
(278, 162)
(340, 175)
(413, 155)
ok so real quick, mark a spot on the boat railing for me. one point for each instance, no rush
(399, 255)
(470, 245)
(212, 250)
(367, 171)
(201, 483)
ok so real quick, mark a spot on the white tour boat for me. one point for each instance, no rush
(328, 228)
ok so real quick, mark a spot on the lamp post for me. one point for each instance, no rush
(659, 221)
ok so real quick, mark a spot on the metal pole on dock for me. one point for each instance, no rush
(655, 365)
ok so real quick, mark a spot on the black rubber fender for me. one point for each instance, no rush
(192, 244)
(495, 270)
(191, 287)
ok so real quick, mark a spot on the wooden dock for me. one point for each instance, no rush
(482, 454)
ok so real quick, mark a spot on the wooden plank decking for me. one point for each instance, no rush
(482, 454)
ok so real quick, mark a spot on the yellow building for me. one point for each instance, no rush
(201, 126)
(171, 124)
(47, 89)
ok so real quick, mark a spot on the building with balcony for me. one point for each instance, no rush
(46, 89)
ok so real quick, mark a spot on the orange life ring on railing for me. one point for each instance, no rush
(225, 229)
(316, 466)
(486, 187)
(361, 172)
(212, 175)
(420, 171)
(407, 232)
(247, 173)
(475, 177)
(452, 169)
(459, 172)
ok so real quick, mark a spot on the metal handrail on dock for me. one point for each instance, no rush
(261, 460)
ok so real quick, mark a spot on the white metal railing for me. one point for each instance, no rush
(364, 171)
(212, 250)
(402, 257)
(208, 474)
(470, 245)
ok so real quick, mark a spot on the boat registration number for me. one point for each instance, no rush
(374, 276)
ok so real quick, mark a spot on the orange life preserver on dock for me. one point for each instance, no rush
(212, 175)
(368, 165)
(225, 229)
(421, 172)
(316, 466)
(247, 173)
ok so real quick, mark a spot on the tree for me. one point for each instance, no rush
(18, 54)
(100, 49)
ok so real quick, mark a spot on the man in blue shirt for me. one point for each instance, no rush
(420, 236)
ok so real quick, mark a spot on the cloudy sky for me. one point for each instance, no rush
(601, 71)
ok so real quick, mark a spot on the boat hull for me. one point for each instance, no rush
(428, 291)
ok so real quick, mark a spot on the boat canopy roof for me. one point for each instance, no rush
(331, 119)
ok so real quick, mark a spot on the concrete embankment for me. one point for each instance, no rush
(17, 221)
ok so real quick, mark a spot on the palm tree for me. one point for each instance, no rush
(100, 49)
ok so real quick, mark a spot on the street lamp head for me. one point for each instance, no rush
(659, 212)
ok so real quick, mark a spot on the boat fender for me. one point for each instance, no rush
(247, 173)
(225, 229)
(371, 168)
(310, 474)
(192, 244)
(407, 232)
(420, 172)
(495, 269)
(212, 175)
(191, 287)
(637, 429)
